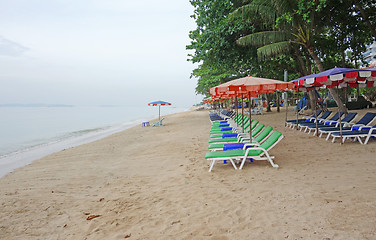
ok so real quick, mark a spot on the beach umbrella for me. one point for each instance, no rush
(251, 86)
(159, 104)
(339, 78)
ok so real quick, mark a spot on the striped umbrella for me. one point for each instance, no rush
(159, 104)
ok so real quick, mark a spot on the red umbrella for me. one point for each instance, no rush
(337, 77)
(252, 86)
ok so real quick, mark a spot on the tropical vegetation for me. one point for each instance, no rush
(236, 38)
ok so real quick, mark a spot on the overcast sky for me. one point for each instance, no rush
(95, 52)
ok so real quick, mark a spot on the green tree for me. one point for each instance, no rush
(295, 27)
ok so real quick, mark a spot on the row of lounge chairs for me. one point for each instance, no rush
(229, 140)
(362, 130)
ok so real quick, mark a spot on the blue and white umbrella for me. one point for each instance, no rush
(159, 104)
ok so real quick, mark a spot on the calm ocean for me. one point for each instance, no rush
(29, 133)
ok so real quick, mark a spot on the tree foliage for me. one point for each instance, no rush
(235, 38)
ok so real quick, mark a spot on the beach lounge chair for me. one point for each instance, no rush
(364, 121)
(344, 122)
(371, 133)
(219, 134)
(356, 134)
(230, 137)
(301, 111)
(255, 153)
(257, 110)
(231, 128)
(324, 116)
(259, 138)
(227, 123)
(330, 122)
(293, 123)
(158, 123)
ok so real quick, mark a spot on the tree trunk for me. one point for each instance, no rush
(300, 60)
(315, 58)
(268, 109)
(343, 59)
(312, 100)
(278, 110)
(335, 95)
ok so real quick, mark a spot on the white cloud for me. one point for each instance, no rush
(11, 48)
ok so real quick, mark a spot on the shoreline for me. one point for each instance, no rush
(23, 157)
(153, 183)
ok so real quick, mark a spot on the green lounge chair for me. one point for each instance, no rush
(218, 127)
(219, 134)
(256, 153)
(259, 138)
(217, 138)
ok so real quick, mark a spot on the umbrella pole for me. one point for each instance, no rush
(242, 115)
(237, 111)
(159, 112)
(286, 102)
(250, 117)
(297, 113)
(340, 124)
(317, 127)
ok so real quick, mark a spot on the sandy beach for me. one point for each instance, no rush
(153, 183)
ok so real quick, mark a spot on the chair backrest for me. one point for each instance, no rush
(263, 134)
(326, 114)
(254, 123)
(271, 141)
(257, 129)
(367, 118)
(335, 117)
(318, 112)
(246, 124)
(349, 117)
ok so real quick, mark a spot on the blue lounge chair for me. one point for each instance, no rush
(357, 134)
(293, 123)
(324, 116)
(330, 122)
(364, 121)
(344, 122)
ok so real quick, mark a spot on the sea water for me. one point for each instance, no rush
(29, 133)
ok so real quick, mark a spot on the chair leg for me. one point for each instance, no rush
(327, 137)
(211, 165)
(233, 164)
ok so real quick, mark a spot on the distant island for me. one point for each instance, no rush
(35, 105)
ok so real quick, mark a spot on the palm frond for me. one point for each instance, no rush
(249, 11)
(273, 50)
(263, 38)
(284, 6)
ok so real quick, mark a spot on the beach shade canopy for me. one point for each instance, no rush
(250, 87)
(159, 104)
(337, 77)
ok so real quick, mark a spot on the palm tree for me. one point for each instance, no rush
(293, 31)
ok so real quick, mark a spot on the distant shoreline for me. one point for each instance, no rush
(35, 105)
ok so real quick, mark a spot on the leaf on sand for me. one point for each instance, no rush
(128, 236)
(92, 217)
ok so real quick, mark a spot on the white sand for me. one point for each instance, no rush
(153, 183)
